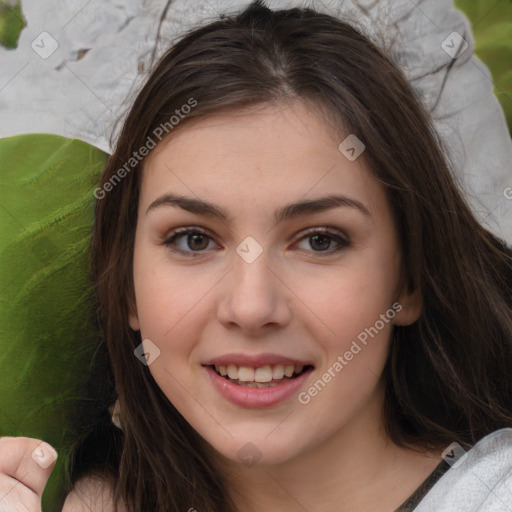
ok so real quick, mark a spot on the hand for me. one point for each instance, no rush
(25, 466)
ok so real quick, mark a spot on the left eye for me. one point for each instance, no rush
(197, 241)
(321, 239)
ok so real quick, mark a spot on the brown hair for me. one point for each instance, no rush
(448, 376)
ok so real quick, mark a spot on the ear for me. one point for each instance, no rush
(410, 305)
(133, 319)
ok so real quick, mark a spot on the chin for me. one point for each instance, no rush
(261, 452)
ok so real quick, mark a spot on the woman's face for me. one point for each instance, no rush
(257, 281)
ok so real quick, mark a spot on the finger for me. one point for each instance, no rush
(30, 461)
(16, 497)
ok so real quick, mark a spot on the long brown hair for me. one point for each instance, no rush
(448, 376)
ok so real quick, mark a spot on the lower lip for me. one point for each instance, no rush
(257, 397)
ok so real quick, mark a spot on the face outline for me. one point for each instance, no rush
(197, 308)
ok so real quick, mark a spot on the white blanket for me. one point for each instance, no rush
(477, 481)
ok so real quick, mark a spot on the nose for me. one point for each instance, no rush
(254, 297)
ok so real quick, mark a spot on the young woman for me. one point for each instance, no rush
(301, 312)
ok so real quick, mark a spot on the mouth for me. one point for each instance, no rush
(262, 377)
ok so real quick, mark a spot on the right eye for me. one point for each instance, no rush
(194, 239)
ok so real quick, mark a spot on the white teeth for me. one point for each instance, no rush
(246, 374)
(232, 371)
(278, 371)
(288, 370)
(262, 374)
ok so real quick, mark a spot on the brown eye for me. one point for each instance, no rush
(196, 242)
(321, 240)
(192, 241)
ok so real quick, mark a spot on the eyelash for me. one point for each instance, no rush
(169, 242)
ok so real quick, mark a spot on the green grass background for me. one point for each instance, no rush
(491, 21)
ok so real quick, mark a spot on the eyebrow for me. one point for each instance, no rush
(287, 212)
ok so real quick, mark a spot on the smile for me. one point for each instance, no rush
(244, 389)
(262, 377)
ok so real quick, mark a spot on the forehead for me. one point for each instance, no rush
(265, 156)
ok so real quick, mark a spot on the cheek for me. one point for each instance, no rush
(355, 308)
(359, 316)
(362, 326)
(351, 297)
(165, 295)
(170, 311)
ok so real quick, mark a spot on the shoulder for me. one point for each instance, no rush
(478, 480)
(91, 492)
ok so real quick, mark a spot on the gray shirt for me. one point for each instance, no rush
(479, 480)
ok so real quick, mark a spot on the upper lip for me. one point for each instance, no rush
(255, 360)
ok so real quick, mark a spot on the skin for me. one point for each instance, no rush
(331, 454)
(90, 494)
